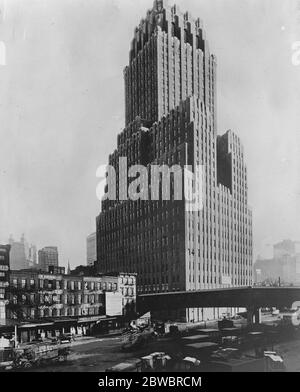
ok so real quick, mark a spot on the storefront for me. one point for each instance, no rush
(29, 332)
(105, 325)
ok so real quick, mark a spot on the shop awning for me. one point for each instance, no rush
(89, 319)
(39, 325)
(95, 318)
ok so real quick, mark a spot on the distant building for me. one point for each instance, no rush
(283, 248)
(32, 257)
(266, 271)
(22, 254)
(91, 249)
(48, 256)
(283, 268)
(18, 258)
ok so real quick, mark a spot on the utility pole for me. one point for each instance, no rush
(16, 336)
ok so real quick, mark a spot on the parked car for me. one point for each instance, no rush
(65, 339)
(275, 312)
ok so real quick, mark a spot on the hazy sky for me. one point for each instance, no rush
(62, 106)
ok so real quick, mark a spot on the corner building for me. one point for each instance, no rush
(170, 105)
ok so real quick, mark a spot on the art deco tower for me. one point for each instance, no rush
(170, 106)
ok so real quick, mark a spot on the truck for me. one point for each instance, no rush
(134, 338)
(134, 365)
(236, 365)
(7, 357)
(274, 362)
(157, 361)
(39, 354)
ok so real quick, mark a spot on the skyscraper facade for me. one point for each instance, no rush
(91, 249)
(18, 259)
(22, 254)
(170, 107)
(32, 256)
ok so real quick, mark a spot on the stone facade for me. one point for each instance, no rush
(170, 104)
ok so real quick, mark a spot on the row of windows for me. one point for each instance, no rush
(49, 299)
(54, 312)
(62, 284)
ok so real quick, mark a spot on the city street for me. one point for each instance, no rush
(99, 354)
(290, 352)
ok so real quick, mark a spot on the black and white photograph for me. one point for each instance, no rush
(149, 190)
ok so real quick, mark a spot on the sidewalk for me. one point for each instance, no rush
(91, 339)
(86, 339)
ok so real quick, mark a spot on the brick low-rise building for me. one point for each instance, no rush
(4, 278)
(35, 294)
(37, 297)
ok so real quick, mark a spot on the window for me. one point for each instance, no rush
(23, 283)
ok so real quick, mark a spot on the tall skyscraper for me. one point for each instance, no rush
(22, 254)
(48, 256)
(170, 106)
(283, 248)
(32, 256)
(283, 268)
(18, 259)
(91, 249)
